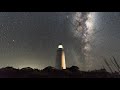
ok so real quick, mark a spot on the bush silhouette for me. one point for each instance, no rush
(51, 72)
(74, 68)
(48, 69)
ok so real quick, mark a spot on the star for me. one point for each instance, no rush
(67, 17)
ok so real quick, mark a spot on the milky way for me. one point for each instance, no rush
(82, 30)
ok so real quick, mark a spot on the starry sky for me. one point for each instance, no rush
(30, 39)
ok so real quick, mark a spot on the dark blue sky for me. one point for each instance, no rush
(31, 39)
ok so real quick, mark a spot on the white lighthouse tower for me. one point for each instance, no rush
(60, 58)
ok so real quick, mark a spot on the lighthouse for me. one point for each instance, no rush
(60, 58)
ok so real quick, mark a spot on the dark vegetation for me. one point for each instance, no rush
(69, 72)
(51, 72)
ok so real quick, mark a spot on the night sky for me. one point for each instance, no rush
(30, 39)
